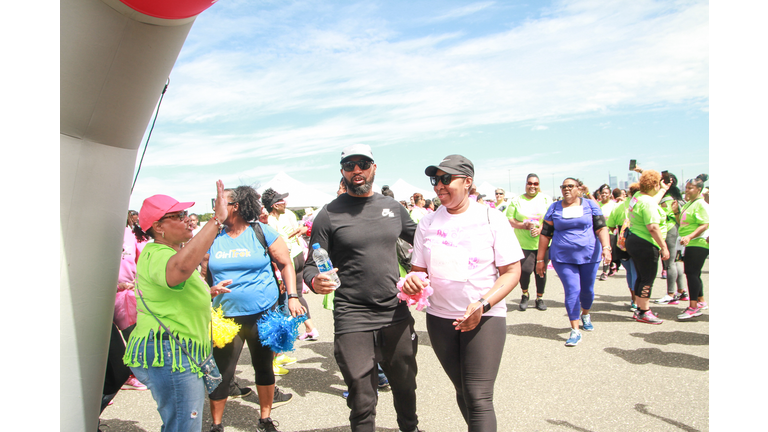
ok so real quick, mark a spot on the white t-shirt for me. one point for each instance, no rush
(461, 253)
(286, 225)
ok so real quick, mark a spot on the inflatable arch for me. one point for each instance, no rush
(115, 58)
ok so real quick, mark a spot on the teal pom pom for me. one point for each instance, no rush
(278, 329)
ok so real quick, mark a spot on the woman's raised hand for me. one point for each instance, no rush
(221, 211)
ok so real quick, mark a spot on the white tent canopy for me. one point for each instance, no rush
(300, 195)
(404, 191)
(488, 190)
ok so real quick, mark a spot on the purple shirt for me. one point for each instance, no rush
(574, 240)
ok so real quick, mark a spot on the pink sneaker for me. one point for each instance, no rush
(133, 384)
(311, 336)
(689, 313)
(702, 305)
(648, 318)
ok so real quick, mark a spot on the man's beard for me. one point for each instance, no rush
(363, 189)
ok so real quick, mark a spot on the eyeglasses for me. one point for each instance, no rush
(445, 179)
(499, 193)
(533, 183)
(568, 186)
(180, 215)
(213, 203)
(349, 166)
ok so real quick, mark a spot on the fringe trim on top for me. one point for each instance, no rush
(198, 351)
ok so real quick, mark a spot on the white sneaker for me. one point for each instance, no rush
(664, 300)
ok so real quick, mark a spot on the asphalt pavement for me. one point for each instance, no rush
(622, 376)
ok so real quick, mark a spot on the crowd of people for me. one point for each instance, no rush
(466, 252)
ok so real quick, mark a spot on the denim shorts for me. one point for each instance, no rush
(180, 396)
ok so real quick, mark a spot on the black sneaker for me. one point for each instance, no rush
(268, 425)
(524, 302)
(540, 305)
(235, 391)
(279, 398)
(217, 428)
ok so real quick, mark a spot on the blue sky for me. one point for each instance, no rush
(561, 88)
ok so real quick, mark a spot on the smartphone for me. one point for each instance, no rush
(632, 164)
(665, 176)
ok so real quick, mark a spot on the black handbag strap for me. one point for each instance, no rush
(191, 358)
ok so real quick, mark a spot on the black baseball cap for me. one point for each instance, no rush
(452, 164)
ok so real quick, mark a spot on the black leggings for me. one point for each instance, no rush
(528, 266)
(645, 256)
(471, 360)
(227, 357)
(693, 260)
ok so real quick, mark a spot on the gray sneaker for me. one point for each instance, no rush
(279, 398)
(524, 302)
(235, 391)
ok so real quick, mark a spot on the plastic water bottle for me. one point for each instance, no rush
(323, 262)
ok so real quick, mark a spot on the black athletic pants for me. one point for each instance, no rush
(528, 266)
(471, 360)
(645, 256)
(394, 348)
(227, 357)
(693, 261)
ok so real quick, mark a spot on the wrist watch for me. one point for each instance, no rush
(486, 305)
(290, 296)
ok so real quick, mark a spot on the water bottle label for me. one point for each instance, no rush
(324, 267)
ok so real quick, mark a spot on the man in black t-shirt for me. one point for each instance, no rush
(359, 229)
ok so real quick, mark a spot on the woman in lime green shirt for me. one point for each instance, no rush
(694, 223)
(645, 243)
(174, 292)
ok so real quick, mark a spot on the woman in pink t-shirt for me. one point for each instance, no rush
(472, 259)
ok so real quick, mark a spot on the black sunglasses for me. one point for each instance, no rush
(181, 215)
(568, 186)
(445, 179)
(349, 166)
(213, 203)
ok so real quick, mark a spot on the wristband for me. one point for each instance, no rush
(538, 261)
(290, 296)
(486, 305)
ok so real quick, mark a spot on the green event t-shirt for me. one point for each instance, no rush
(693, 215)
(523, 208)
(185, 309)
(670, 220)
(618, 214)
(643, 211)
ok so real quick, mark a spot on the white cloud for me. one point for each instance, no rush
(463, 11)
(340, 80)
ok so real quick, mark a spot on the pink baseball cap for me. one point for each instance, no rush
(156, 206)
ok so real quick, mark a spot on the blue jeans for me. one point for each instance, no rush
(180, 396)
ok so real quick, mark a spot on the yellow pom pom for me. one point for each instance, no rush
(224, 329)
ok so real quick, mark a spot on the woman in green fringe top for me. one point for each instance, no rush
(173, 290)
(694, 223)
